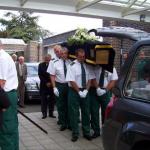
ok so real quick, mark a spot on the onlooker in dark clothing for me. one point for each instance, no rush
(46, 90)
(124, 57)
(140, 65)
(146, 71)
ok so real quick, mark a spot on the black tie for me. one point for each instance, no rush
(65, 68)
(83, 76)
(101, 79)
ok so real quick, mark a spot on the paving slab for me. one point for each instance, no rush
(32, 138)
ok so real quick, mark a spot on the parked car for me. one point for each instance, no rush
(32, 83)
(127, 122)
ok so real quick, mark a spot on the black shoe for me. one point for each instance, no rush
(95, 135)
(62, 128)
(69, 128)
(52, 116)
(58, 122)
(88, 137)
(74, 138)
(44, 117)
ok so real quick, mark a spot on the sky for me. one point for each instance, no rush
(61, 23)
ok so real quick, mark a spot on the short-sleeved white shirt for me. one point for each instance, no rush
(108, 76)
(51, 64)
(74, 73)
(8, 71)
(58, 70)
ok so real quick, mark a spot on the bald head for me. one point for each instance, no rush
(21, 59)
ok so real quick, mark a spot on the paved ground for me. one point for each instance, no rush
(32, 138)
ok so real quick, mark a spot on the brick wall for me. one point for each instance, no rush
(126, 44)
(33, 52)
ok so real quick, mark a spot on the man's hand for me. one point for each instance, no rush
(56, 92)
(48, 84)
(3, 109)
(2, 83)
(100, 91)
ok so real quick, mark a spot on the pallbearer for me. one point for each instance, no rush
(60, 87)
(100, 94)
(57, 51)
(79, 77)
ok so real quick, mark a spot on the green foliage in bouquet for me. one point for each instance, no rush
(80, 37)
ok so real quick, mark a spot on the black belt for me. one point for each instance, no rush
(62, 83)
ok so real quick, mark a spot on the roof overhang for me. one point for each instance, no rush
(88, 8)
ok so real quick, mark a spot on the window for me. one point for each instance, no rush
(32, 71)
(138, 83)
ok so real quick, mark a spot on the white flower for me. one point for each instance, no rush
(81, 36)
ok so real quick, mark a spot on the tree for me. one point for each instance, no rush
(22, 26)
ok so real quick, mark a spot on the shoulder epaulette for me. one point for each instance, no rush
(72, 63)
(55, 60)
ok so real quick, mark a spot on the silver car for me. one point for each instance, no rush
(33, 82)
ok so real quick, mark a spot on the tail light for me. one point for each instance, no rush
(110, 106)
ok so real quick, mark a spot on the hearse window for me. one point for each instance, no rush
(138, 84)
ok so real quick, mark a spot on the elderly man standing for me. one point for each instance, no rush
(22, 76)
(79, 76)
(9, 139)
(14, 57)
(46, 90)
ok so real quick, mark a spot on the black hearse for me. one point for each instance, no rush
(127, 122)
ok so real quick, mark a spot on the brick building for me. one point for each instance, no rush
(31, 51)
(123, 45)
(17, 46)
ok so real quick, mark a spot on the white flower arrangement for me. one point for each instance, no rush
(80, 37)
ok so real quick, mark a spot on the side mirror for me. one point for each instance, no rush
(116, 91)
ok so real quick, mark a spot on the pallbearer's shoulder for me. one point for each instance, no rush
(56, 60)
(73, 63)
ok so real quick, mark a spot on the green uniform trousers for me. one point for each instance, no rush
(74, 103)
(9, 138)
(95, 103)
(62, 104)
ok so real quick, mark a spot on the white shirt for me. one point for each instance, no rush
(20, 69)
(58, 70)
(108, 76)
(51, 64)
(8, 71)
(74, 73)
